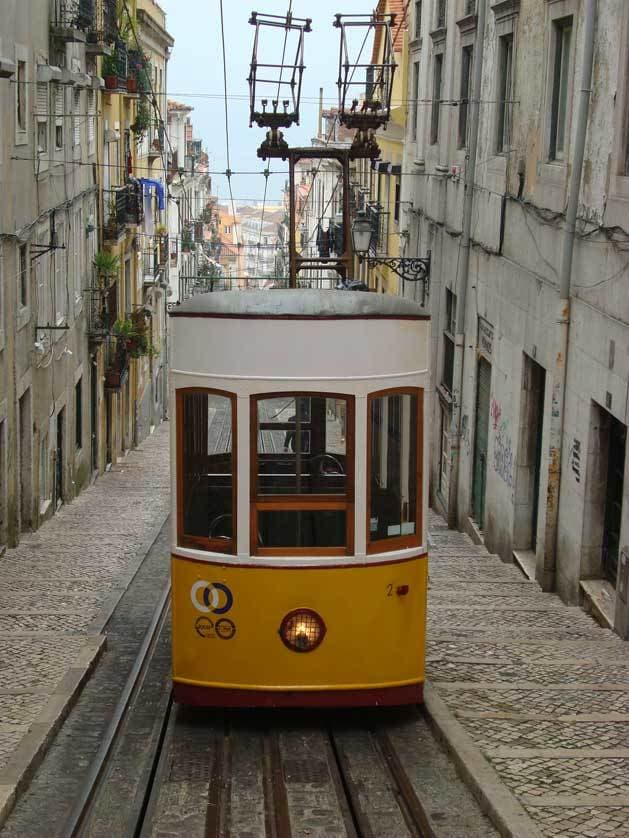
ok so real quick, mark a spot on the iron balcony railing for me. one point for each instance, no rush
(74, 14)
(470, 7)
(135, 203)
(379, 219)
(115, 212)
(116, 363)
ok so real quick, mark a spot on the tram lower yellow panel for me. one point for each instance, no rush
(375, 636)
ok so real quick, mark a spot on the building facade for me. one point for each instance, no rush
(75, 330)
(530, 323)
(190, 187)
(48, 99)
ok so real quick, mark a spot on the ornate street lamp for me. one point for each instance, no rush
(409, 269)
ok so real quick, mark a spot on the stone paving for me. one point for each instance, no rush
(57, 589)
(538, 687)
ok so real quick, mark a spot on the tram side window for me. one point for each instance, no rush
(303, 472)
(394, 478)
(206, 471)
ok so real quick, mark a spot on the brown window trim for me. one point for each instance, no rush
(302, 502)
(402, 542)
(213, 545)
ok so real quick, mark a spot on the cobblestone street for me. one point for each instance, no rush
(531, 696)
(536, 687)
(57, 591)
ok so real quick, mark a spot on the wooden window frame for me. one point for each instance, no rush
(401, 542)
(197, 542)
(303, 503)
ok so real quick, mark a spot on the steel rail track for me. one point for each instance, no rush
(353, 810)
(79, 816)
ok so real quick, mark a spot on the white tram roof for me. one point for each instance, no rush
(299, 303)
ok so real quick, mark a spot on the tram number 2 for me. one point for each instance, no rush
(389, 589)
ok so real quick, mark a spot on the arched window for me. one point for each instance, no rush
(394, 486)
(206, 470)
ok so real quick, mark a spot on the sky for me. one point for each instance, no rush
(195, 76)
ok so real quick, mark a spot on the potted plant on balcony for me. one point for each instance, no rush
(110, 71)
(107, 266)
(186, 240)
(142, 120)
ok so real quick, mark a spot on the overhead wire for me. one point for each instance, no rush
(228, 173)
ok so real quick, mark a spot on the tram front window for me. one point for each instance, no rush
(206, 502)
(304, 472)
(302, 447)
(395, 443)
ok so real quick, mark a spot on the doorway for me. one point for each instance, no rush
(529, 455)
(94, 417)
(617, 438)
(59, 459)
(26, 456)
(481, 435)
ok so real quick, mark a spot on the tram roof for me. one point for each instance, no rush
(299, 303)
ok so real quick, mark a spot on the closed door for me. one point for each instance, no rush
(59, 459)
(613, 498)
(481, 432)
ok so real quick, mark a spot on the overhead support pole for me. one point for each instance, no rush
(456, 428)
(546, 569)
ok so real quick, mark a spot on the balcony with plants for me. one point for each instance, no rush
(130, 338)
(105, 29)
(115, 68)
(102, 296)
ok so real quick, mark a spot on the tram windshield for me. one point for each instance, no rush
(205, 424)
(303, 472)
(301, 445)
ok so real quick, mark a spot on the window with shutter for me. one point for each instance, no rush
(41, 117)
(76, 118)
(60, 277)
(58, 100)
(91, 121)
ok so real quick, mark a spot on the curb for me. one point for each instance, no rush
(17, 773)
(499, 804)
(101, 619)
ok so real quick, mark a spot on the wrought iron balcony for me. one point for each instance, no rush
(71, 20)
(105, 27)
(116, 363)
(115, 213)
(135, 203)
(379, 220)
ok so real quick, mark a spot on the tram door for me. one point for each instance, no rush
(479, 479)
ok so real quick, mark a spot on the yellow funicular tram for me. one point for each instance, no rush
(299, 559)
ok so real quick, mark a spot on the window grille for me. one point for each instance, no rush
(76, 118)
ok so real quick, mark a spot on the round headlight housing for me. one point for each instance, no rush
(302, 630)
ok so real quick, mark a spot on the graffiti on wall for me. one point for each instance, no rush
(504, 459)
(575, 458)
(495, 411)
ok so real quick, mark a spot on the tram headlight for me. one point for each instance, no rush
(302, 630)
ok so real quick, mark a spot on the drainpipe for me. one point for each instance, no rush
(546, 569)
(462, 282)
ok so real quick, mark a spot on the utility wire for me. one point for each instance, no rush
(228, 172)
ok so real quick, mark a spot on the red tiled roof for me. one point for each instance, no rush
(399, 8)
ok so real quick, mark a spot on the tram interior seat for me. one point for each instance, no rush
(208, 496)
(320, 474)
(386, 507)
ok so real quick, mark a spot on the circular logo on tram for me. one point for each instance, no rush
(211, 597)
(204, 627)
(225, 629)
